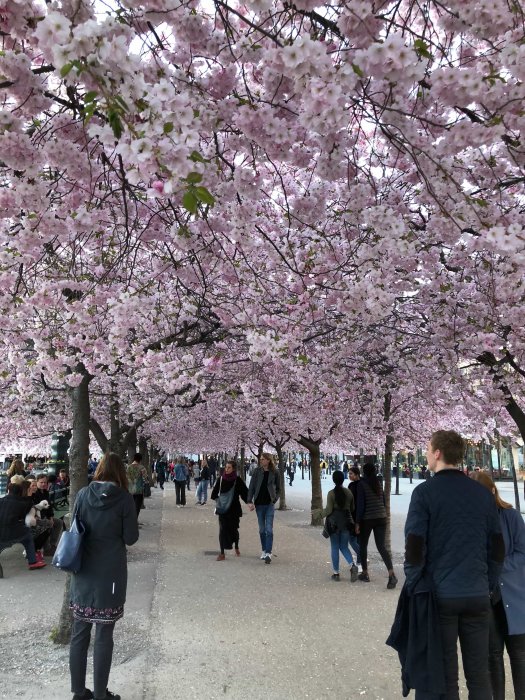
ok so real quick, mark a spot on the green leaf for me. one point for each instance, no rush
(193, 178)
(90, 96)
(67, 68)
(168, 127)
(121, 102)
(357, 70)
(421, 48)
(190, 202)
(205, 196)
(115, 123)
(196, 157)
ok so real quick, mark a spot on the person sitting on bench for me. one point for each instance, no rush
(13, 509)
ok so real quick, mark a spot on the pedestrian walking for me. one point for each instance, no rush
(507, 620)
(136, 479)
(98, 590)
(263, 493)
(180, 477)
(338, 512)
(161, 468)
(202, 490)
(230, 483)
(354, 475)
(371, 517)
(453, 535)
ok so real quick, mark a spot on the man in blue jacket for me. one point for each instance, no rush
(452, 532)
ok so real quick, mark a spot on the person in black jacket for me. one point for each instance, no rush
(371, 517)
(453, 534)
(229, 521)
(98, 590)
(13, 509)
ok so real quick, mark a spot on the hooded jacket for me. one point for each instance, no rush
(109, 516)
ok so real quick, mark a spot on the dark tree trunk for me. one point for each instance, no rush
(78, 470)
(282, 474)
(313, 447)
(131, 444)
(387, 469)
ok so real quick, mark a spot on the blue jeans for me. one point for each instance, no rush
(265, 518)
(354, 543)
(339, 543)
(202, 491)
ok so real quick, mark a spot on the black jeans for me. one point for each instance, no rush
(378, 527)
(139, 500)
(180, 493)
(515, 643)
(102, 655)
(468, 619)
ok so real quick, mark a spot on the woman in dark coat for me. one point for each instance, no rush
(229, 521)
(98, 590)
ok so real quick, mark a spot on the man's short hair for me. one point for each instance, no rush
(137, 457)
(450, 444)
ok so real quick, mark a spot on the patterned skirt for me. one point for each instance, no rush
(98, 616)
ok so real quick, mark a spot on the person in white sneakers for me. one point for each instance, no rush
(263, 493)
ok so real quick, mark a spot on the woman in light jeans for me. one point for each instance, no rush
(339, 508)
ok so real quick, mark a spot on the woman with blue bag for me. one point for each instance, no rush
(107, 513)
(226, 493)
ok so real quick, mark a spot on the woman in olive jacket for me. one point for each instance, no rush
(98, 590)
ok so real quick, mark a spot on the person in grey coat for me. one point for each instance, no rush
(98, 590)
(263, 493)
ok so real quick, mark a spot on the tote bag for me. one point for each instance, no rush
(68, 555)
(224, 500)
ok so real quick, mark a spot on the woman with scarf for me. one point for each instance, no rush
(230, 520)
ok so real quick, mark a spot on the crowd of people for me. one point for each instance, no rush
(464, 558)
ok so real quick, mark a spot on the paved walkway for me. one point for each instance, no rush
(198, 628)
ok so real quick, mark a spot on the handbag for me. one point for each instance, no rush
(224, 500)
(330, 525)
(68, 555)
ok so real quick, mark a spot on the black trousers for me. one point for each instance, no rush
(499, 638)
(102, 656)
(378, 527)
(468, 620)
(139, 500)
(180, 493)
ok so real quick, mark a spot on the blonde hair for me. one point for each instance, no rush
(270, 459)
(17, 467)
(485, 480)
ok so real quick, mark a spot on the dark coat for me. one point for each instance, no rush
(512, 579)
(13, 510)
(416, 636)
(222, 486)
(109, 516)
(452, 532)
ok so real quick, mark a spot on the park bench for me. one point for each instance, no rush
(59, 498)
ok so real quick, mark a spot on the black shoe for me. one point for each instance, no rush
(109, 696)
(86, 695)
(363, 576)
(335, 577)
(392, 581)
(353, 573)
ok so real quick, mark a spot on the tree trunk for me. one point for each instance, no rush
(78, 470)
(131, 444)
(282, 474)
(242, 466)
(387, 485)
(514, 475)
(313, 447)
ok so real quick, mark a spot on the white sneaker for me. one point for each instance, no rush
(263, 555)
